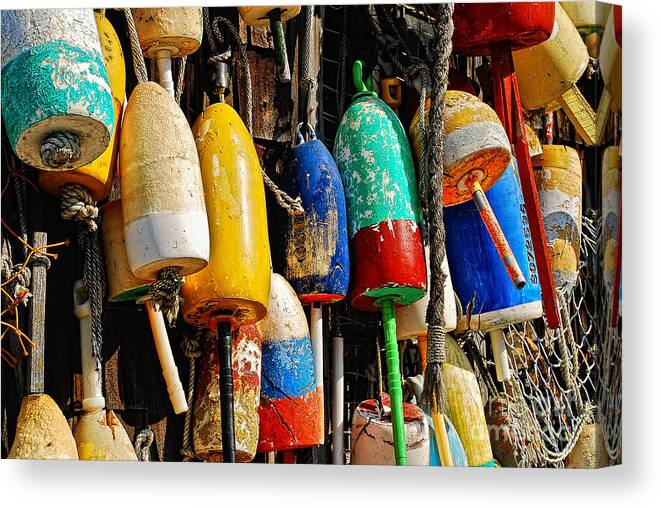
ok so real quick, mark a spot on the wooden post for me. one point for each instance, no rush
(37, 319)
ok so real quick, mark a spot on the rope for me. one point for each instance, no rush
(164, 293)
(59, 149)
(191, 346)
(179, 84)
(441, 47)
(341, 84)
(143, 442)
(307, 82)
(19, 287)
(20, 192)
(138, 59)
(77, 204)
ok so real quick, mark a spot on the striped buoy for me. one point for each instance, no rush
(589, 18)
(611, 197)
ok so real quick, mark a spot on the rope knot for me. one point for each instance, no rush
(59, 149)
(435, 344)
(164, 293)
(143, 442)
(38, 259)
(191, 345)
(19, 287)
(76, 203)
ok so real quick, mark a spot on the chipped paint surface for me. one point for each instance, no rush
(54, 79)
(372, 434)
(246, 373)
(176, 29)
(237, 278)
(611, 196)
(476, 268)
(317, 244)
(100, 435)
(459, 458)
(375, 161)
(559, 179)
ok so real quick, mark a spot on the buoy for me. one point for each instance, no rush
(480, 280)
(549, 71)
(263, 15)
(476, 152)
(99, 434)
(56, 100)
(465, 407)
(124, 286)
(589, 452)
(534, 145)
(611, 197)
(501, 433)
(559, 178)
(317, 245)
(97, 176)
(391, 93)
(610, 59)
(234, 288)
(459, 458)
(42, 431)
(246, 369)
(165, 219)
(372, 434)
(375, 161)
(166, 33)
(589, 18)
(289, 408)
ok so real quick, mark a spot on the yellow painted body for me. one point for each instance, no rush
(42, 431)
(611, 195)
(465, 407)
(237, 280)
(259, 15)
(610, 63)
(548, 70)
(589, 452)
(475, 144)
(176, 29)
(97, 176)
(534, 145)
(589, 18)
(100, 436)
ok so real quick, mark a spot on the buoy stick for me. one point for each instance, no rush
(164, 351)
(338, 400)
(93, 399)
(394, 379)
(284, 74)
(317, 340)
(164, 63)
(499, 350)
(37, 315)
(496, 233)
(580, 114)
(442, 440)
(226, 382)
(289, 457)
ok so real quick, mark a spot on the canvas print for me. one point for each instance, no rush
(352, 235)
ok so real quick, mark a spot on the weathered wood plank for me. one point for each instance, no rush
(37, 318)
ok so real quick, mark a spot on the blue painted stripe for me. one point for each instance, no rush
(287, 368)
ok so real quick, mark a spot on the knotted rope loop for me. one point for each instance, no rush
(77, 204)
(164, 293)
(191, 345)
(59, 149)
(143, 442)
(19, 287)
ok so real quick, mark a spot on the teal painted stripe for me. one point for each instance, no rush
(45, 81)
(374, 158)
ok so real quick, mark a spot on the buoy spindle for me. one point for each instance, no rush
(499, 350)
(226, 384)
(338, 400)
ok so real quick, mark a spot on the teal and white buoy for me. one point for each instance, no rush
(56, 100)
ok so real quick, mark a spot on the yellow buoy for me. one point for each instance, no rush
(165, 219)
(589, 18)
(611, 196)
(166, 33)
(534, 145)
(610, 62)
(559, 179)
(42, 431)
(97, 176)
(589, 452)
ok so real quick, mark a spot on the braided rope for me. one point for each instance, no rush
(164, 293)
(60, 148)
(179, 84)
(77, 204)
(19, 287)
(138, 59)
(191, 346)
(143, 442)
(307, 81)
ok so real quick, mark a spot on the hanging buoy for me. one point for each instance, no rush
(501, 432)
(479, 279)
(589, 452)
(459, 458)
(165, 219)
(610, 59)
(56, 101)
(166, 33)
(97, 176)
(372, 434)
(589, 18)
(124, 286)
(559, 178)
(42, 431)
(375, 161)
(234, 288)
(246, 369)
(465, 407)
(549, 71)
(476, 153)
(263, 15)
(317, 245)
(289, 409)
(611, 197)
(99, 434)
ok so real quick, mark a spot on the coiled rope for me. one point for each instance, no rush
(60, 148)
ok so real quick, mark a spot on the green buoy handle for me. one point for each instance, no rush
(394, 378)
(358, 81)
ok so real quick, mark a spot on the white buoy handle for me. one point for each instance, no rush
(499, 350)
(338, 400)
(93, 399)
(317, 340)
(170, 372)
(164, 63)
